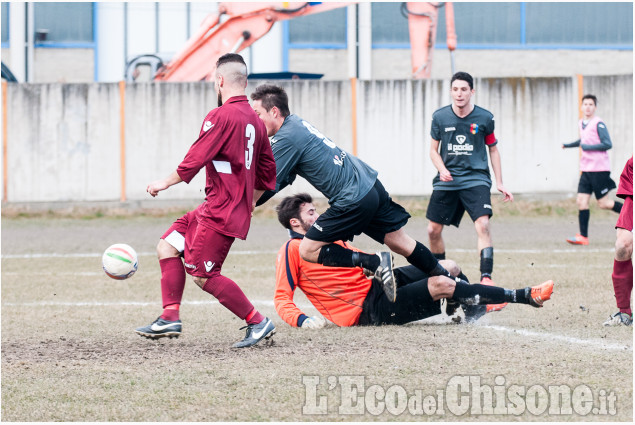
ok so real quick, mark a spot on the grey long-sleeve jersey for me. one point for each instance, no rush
(300, 149)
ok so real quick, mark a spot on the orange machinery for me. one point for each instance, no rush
(244, 23)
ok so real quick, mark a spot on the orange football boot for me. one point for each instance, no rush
(578, 240)
(541, 293)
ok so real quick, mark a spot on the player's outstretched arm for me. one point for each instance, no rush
(157, 186)
(495, 158)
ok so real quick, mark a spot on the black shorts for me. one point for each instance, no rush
(447, 206)
(414, 301)
(597, 182)
(375, 215)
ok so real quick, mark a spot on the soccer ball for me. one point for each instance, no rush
(119, 261)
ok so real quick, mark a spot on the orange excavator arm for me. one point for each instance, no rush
(245, 23)
(422, 22)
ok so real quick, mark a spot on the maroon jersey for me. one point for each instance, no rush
(235, 151)
(625, 188)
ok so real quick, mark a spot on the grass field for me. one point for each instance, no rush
(69, 352)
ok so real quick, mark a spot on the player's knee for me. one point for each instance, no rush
(200, 281)
(624, 247)
(165, 250)
(582, 202)
(440, 287)
(605, 203)
(434, 231)
(482, 225)
(451, 267)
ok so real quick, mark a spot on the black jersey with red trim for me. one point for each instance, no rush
(462, 146)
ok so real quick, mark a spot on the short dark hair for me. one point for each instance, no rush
(289, 208)
(463, 76)
(592, 97)
(270, 96)
(230, 57)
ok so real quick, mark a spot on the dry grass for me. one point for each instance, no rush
(69, 353)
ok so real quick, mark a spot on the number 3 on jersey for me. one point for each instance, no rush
(250, 134)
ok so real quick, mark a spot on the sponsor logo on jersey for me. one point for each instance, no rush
(604, 191)
(208, 266)
(338, 161)
(474, 128)
(189, 266)
(601, 125)
(207, 125)
(488, 206)
(460, 148)
(317, 226)
(450, 129)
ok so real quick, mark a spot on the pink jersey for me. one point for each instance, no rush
(234, 149)
(592, 160)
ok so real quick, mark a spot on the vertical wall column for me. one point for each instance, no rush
(5, 133)
(354, 113)
(351, 40)
(17, 37)
(580, 93)
(365, 38)
(122, 138)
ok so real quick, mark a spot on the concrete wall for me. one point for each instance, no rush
(64, 145)
(395, 63)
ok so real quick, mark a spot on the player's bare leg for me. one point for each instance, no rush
(607, 203)
(435, 240)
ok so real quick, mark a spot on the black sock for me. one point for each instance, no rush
(520, 296)
(583, 218)
(478, 294)
(487, 262)
(439, 256)
(424, 260)
(333, 255)
(617, 207)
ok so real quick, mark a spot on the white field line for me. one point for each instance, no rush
(563, 338)
(95, 255)
(152, 254)
(592, 343)
(541, 251)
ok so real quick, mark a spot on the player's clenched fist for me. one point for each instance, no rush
(155, 187)
(313, 322)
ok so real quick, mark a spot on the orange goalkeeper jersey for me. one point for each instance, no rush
(337, 292)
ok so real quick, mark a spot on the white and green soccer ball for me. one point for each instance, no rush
(120, 261)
